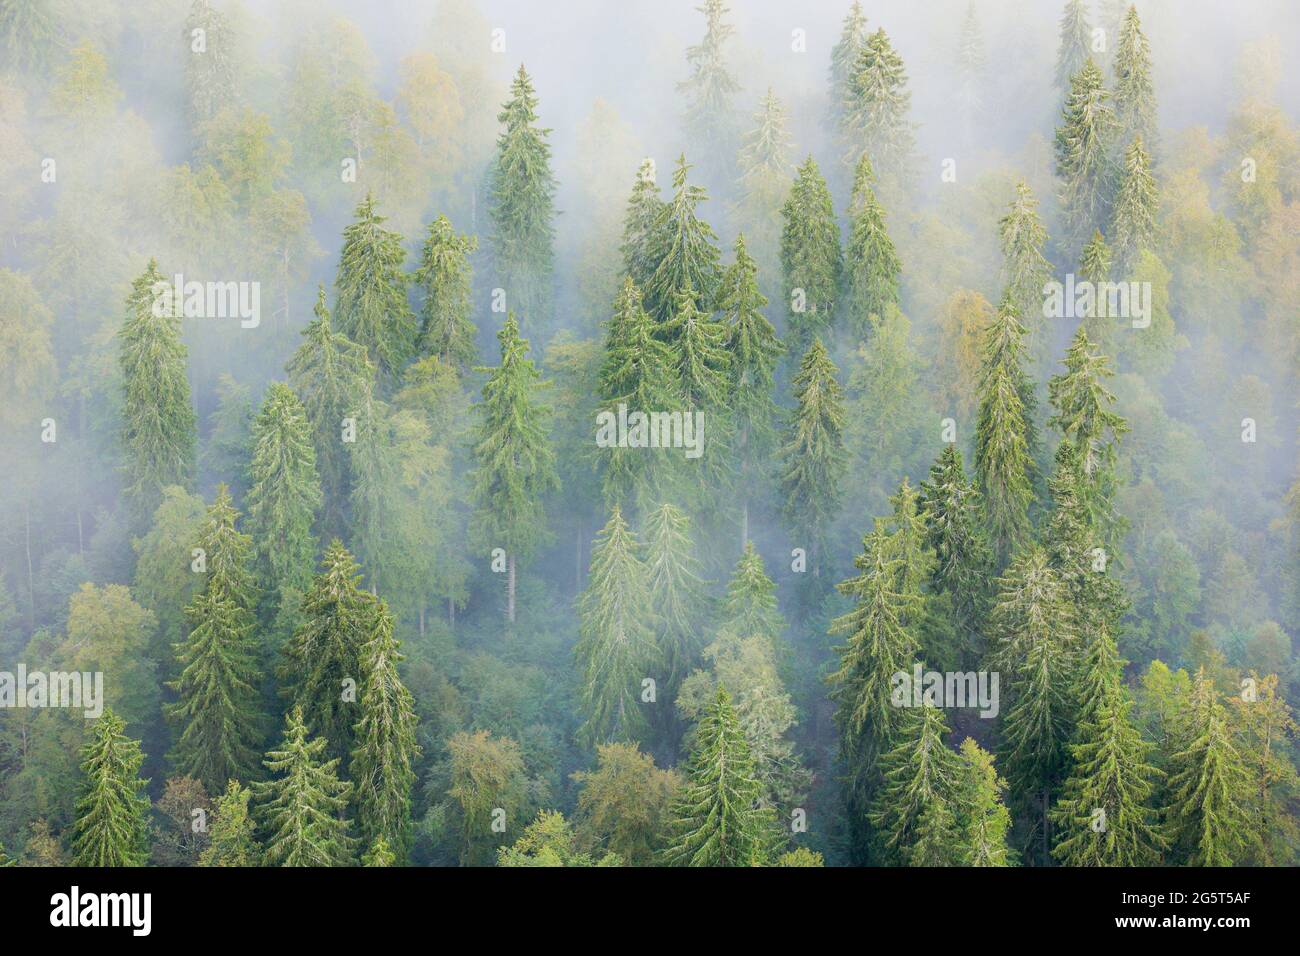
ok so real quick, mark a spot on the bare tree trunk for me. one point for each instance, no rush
(451, 613)
(744, 525)
(510, 589)
(421, 620)
(31, 585)
(577, 564)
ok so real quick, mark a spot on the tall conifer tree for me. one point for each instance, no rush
(709, 90)
(1083, 155)
(753, 348)
(331, 375)
(616, 647)
(383, 763)
(282, 504)
(813, 460)
(717, 820)
(302, 810)
(447, 328)
(639, 372)
(1035, 645)
(370, 306)
(1025, 270)
(644, 215)
(1111, 774)
(1004, 468)
(810, 256)
(1209, 787)
(523, 205)
(338, 620)
(684, 252)
(876, 120)
(1136, 208)
(1135, 98)
(872, 267)
(844, 62)
(217, 698)
(112, 825)
(158, 420)
(515, 463)
(1075, 43)
(679, 599)
(912, 809)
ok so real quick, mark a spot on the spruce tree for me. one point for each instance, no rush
(1083, 155)
(1209, 811)
(331, 375)
(379, 854)
(911, 811)
(963, 566)
(1110, 774)
(1025, 270)
(679, 599)
(638, 371)
(1074, 549)
(383, 763)
(717, 820)
(872, 266)
(709, 90)
(766, 148)
(1266, 730)
(765, 172)
(1034, 647)
(370, 288)
(217, 702)
(882, 637)
(813, 461)
(810, 256)
(684, 251)
(515, 463)
(753, 350)
(523, 205)
(338, 620)
(616, 647)
(282, 504)
(982, 816)
(231, 841)
(209, 71)
(1136, 207)
(1135, 98)
(645, 213)
(844, 62)
(750, 607)
(876, 119)
(1094, 267)
(1075, 43)
(700, 357)
(1085, 419)
(302, 810)
(447, 327)
(971, 70)
(158, 420)
(112, 823)
(1004, 467)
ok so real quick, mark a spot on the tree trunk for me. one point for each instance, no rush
(451, 613)
(744, 524)
(577, 562)
(510, 589)
(31, 585)
(421, 620)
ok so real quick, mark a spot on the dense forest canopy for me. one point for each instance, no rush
(623, 434)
